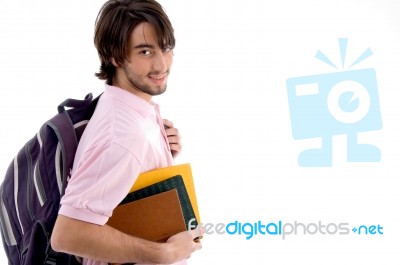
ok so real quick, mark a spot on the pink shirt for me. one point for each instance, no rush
(124, 138)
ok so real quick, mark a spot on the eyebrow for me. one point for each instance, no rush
(140, 46)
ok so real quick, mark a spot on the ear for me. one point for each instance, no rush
(114, 62)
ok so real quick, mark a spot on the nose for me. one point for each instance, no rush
(162, 61)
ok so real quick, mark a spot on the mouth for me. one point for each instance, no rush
(158, 78)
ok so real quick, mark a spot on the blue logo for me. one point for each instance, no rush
(325, 105)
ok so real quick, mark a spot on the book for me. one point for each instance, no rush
(154, 218)
(161, 203)
(175, 182)
(148, 178)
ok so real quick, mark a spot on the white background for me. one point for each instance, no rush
(227, 95)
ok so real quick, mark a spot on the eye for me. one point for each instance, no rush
(145, 52)
(167, 50)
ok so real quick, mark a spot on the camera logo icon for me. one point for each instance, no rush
(324, 105)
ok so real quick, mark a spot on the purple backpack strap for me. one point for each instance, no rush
(62, 127)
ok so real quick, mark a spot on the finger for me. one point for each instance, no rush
(198, 245)
(197, 232)
(172, 131)
(174, 139)
(175, 147)
(168, 123)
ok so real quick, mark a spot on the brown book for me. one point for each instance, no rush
(154, 218)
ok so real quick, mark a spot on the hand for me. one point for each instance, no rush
(182, 245)
(174, 138)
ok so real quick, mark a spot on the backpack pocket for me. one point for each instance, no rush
(36, 250)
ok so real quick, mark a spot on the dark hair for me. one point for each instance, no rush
(114, 24)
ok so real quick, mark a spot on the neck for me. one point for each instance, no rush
(132, 90)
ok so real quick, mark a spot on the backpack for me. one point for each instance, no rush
(34, 183)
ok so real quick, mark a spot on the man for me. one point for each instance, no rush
(125, 137)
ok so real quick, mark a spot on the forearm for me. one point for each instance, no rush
(104, 243)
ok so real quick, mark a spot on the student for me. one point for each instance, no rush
(125, 137)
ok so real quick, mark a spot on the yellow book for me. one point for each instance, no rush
(151, 177)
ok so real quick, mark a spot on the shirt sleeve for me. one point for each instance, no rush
(99, 183)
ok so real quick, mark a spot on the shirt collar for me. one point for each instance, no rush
(140, 105)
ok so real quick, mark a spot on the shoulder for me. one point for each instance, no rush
(116, 123)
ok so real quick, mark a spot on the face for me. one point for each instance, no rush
(146, 70)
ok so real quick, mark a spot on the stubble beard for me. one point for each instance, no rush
(137, 82)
